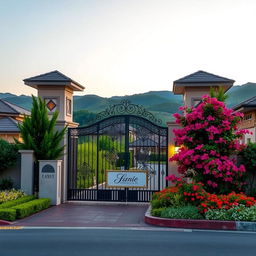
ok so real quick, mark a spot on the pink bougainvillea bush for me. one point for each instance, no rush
(208, 139)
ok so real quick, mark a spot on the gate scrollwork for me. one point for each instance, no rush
(128, 108)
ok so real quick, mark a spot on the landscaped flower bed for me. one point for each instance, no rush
(22, 207)
(211, 182)
(191, 201)
(15, 204)
(7, 195)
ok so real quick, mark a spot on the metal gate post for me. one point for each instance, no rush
(127, 156)
(159, 160)
(97, 161)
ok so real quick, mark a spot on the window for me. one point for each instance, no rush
(68, 106)
(248, 117)
(195, 101)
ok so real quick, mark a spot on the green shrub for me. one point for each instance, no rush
(7, 214)
(6, 184)
(183, 212)
(248, 158)
(155, 204)
(18, 201)
(8, 156)
(26, 209)
(167, 200)
(157, 212)
(236, 213)
(121, 160)
(157, 157)
(177, 200)
(217, 214)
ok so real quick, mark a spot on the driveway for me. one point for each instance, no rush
(94, 215)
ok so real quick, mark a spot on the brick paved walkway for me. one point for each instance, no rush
(70, 215)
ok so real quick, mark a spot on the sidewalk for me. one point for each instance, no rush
(91, 215)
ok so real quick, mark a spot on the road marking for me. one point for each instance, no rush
(10, 227)
(129, 228)
(116, 228)
(226, 231)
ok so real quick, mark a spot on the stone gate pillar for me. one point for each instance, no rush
(172, 166)
(57, 91)
(27, 171)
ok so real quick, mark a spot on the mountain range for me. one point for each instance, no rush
(161, 103)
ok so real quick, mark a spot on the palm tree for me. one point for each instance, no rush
(218, 94)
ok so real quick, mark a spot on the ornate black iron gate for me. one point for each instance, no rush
(125, 136)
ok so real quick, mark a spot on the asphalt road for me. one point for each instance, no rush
(119, 242)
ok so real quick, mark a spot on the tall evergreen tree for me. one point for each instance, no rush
(38, 132)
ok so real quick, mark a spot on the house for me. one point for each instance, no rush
(248, 108)
(10, 116)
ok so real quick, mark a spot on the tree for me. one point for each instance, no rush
(106, 143)
(208, 138)
(38, 132)
(218, 94)
(83, 117)
(8, 155)
(248, 155)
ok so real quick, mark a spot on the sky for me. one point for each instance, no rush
(124, 47)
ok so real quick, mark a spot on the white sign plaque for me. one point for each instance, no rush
(127, 179)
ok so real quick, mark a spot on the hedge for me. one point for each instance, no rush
(26, 209)
(157, 157)
(7, 214)
(15, 202)
(182, 212)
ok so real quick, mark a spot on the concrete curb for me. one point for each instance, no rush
(5, 222)
(199, 224)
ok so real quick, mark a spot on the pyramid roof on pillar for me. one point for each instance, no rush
(53, 78)
(201, 79)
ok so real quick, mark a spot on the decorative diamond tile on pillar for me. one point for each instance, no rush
(51, 104)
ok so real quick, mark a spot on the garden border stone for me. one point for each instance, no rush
(5, 222)
(199, 224)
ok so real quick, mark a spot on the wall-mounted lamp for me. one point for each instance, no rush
(176, 149)
(172, 150)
